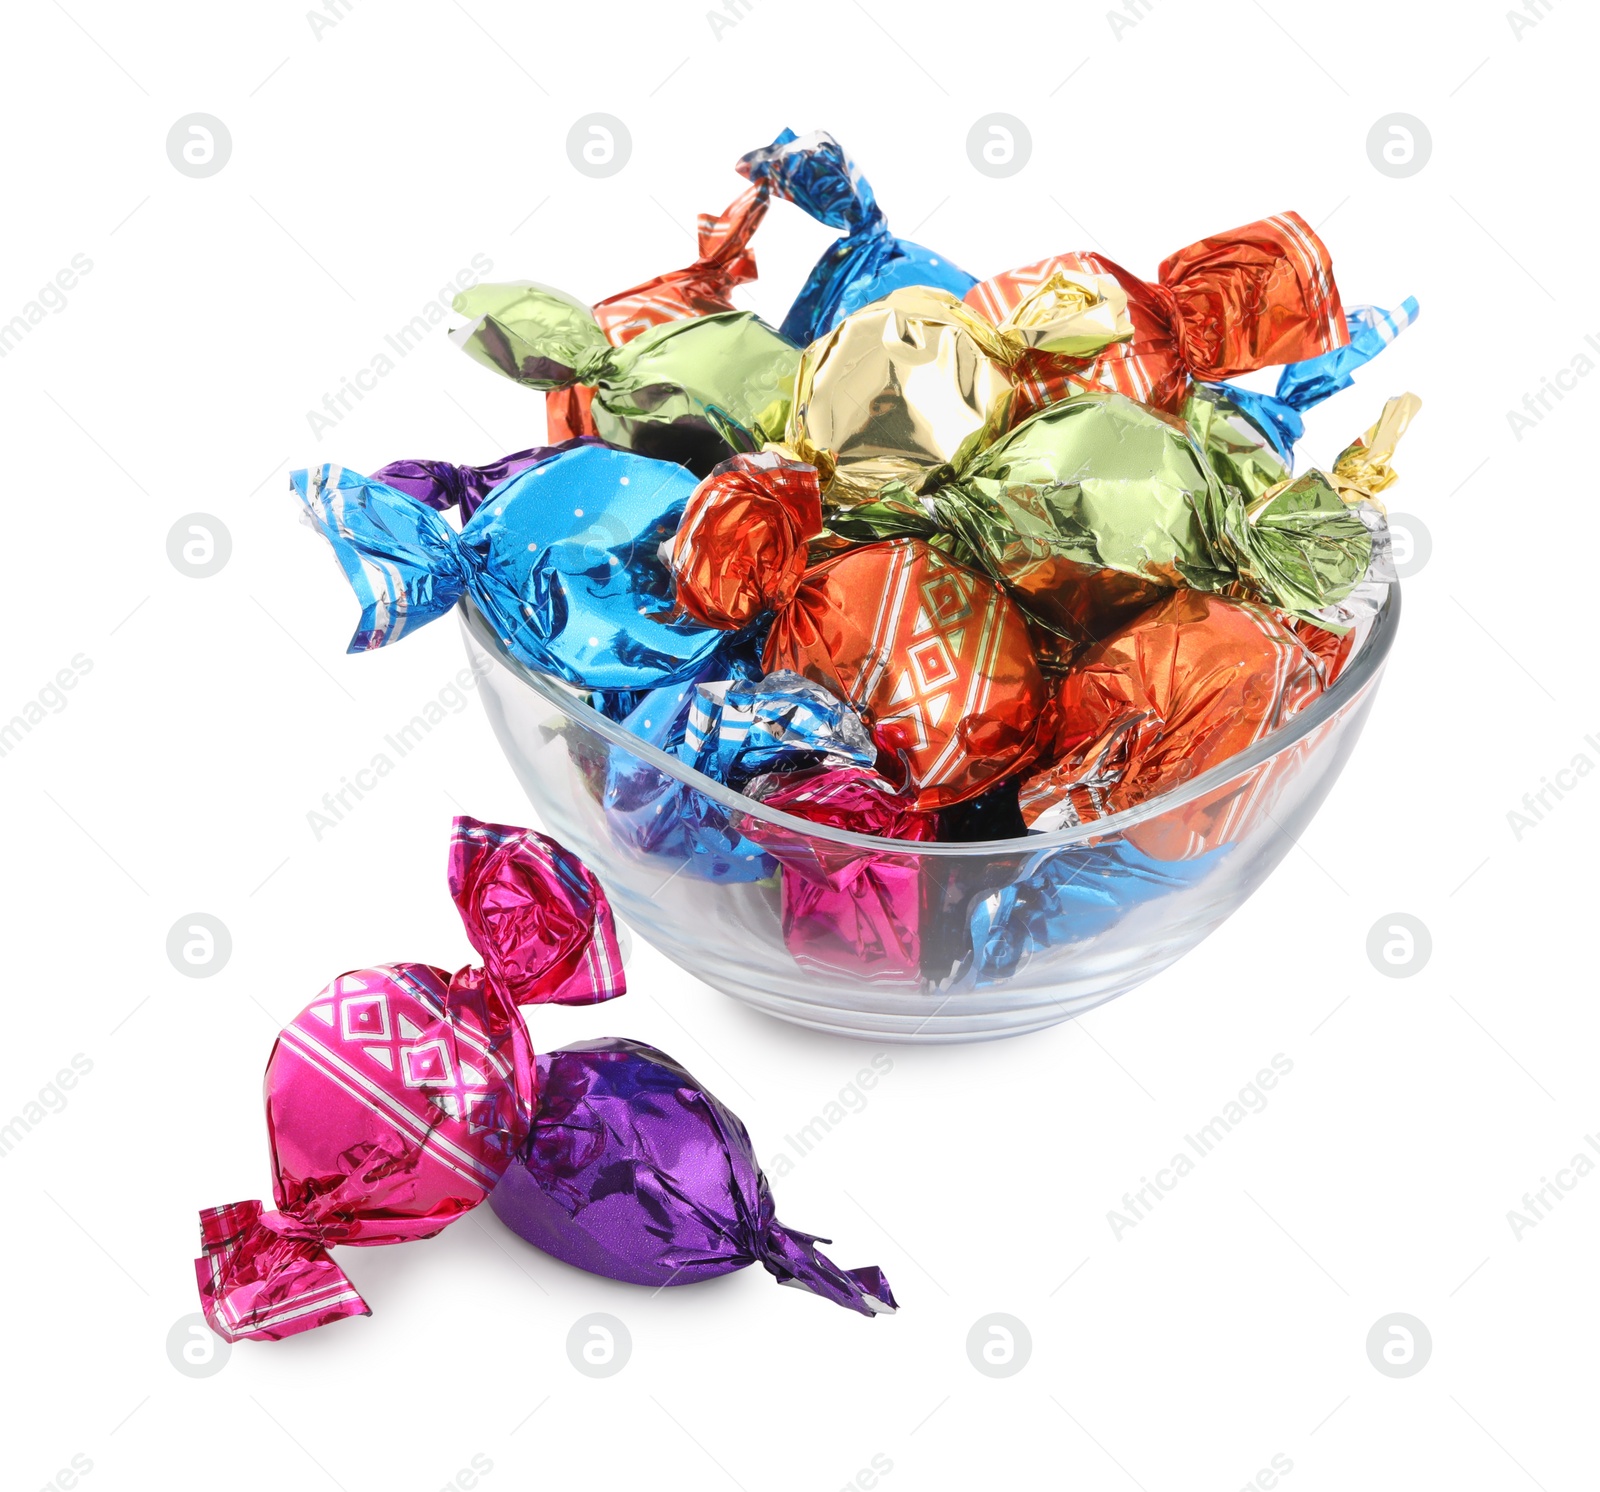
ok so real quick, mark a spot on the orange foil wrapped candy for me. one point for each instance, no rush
(937, 659)
(1180, 689)
(700, 289)
(1250, 298)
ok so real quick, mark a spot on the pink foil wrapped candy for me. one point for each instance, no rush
(397, 1098)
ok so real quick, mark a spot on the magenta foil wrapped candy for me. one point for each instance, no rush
(397, 1098)
(635, 1171)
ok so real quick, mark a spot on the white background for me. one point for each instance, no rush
(369, 163)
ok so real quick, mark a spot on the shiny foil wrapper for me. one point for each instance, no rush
(1249, 298)
(562, 559)
(1095, 507)
(1066, 896)
(1252, 418)
(937, 659)
(398, 1097)
(868, 262)
(731, 731)
(909, 388)
(635, 1171)
(690, 392)
(845, 910)
(1189, 683)
(445, 485)
(700, 289)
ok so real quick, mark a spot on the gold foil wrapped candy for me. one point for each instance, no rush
(915, 384)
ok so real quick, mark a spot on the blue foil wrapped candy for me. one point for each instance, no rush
(1065, 896)
(730, 730)
(813, 172)
(561, 558)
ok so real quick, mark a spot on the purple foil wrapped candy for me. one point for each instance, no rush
(634, 1171)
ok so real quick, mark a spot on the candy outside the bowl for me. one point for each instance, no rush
(868, 262)
(403, 1096)
(634, 1170)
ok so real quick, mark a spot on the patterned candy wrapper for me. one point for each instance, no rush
(937, 659)
(730, 730)
(847, 910)
(868, 262)
(1188, 684)
(561, 559)
(688, 391)
(1250, 298)
(635, 1171)
(399, 1096)
(700, 289)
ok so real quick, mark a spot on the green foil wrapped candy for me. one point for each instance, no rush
(691, 391)
(1095, 507)
(1238, 452)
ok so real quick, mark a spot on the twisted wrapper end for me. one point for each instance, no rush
(258, 1285)
(792, 1258)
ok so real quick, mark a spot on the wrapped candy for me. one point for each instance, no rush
(868, 262)
(1249, 298)
(685, 391)
(936, 658)
(702, 289)
(636, 1172)
(1186, 685)
(1093, 508)
(847, 910)
(729, 730)
(561, 559)
(911, 386)
(398, 1097)
(1066, 896)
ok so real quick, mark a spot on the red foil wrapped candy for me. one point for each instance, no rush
(1186, 685)
(936, 658)
(1249, 298)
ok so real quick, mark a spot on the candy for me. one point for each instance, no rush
(398, 1097)
(702, 289)
(845, 909)
(636, 1172)
(936, 658)
(686, 391)
(1187, 684)
(1233, 302)
(1094, 507)
(914, 384)
(1067, 896)
(730, 731)
(814, 173)
(561, 559)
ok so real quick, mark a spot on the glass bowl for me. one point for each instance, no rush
(890, 940)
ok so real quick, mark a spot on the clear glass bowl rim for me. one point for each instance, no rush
(1358, 673)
